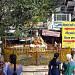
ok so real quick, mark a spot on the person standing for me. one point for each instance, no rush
(12, 68)
(69, 65)
(54, 65)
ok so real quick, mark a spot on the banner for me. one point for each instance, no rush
(68, 34)
(50, 33)
(57, 24)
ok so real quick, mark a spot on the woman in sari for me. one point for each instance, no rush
(54, 65)
(12, 68)
(69, 66)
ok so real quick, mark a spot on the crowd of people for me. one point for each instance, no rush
(55, 67)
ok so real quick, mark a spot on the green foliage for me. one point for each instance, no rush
(37, 19)
(27, 24)
(2, 30)
(18, 33)
(15, 12)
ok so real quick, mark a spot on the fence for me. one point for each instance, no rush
(34, 56)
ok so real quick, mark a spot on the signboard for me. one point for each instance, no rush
(68, 34)
(50, 33)
(57, 24)
(40, 24)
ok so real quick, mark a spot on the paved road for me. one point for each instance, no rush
(35, 70)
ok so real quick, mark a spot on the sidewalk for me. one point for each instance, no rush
(35, 70)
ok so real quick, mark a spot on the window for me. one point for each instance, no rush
(63, 17)
(59, 18)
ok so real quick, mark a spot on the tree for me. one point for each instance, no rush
(2, 31)
(15, 12)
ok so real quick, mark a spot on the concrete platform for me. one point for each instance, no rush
(35, 70)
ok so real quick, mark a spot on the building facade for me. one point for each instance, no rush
(57, 19)
(65, 12)
(69, 7)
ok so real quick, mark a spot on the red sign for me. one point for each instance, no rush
(50, 33)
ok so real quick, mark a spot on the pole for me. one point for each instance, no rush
(37, 48)
(36, 58)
